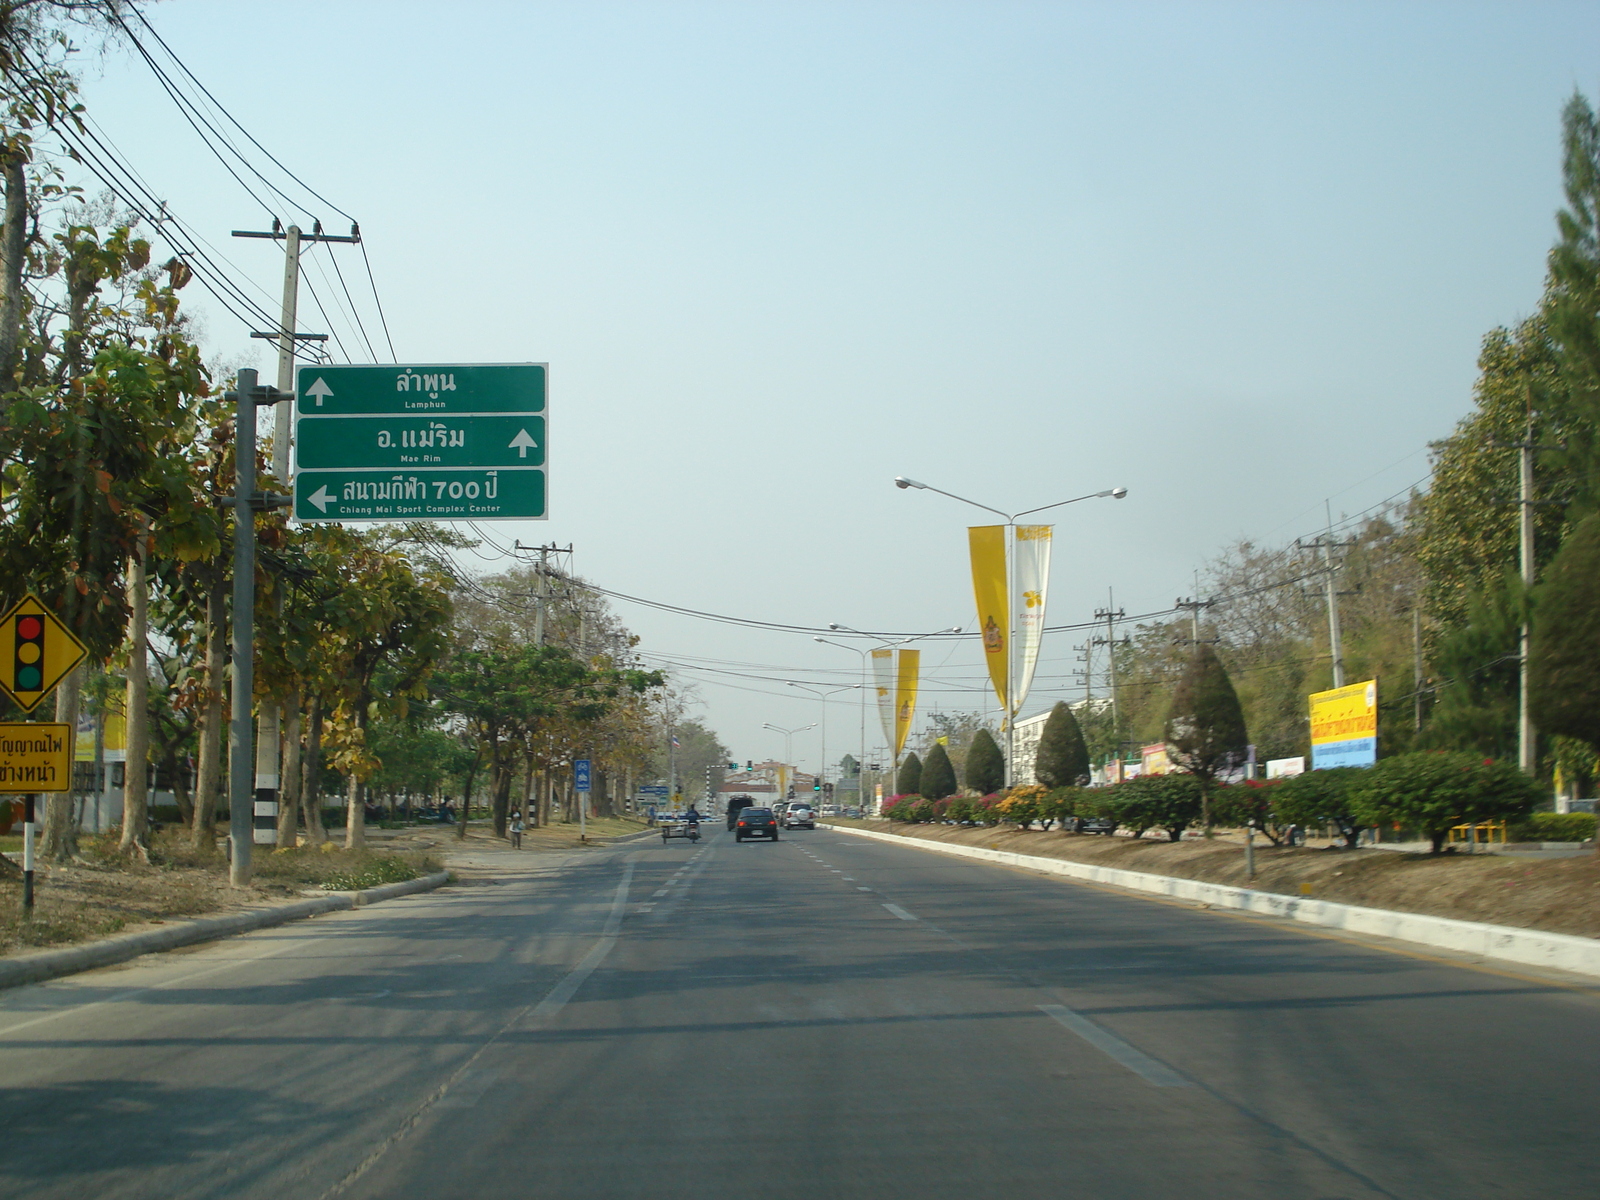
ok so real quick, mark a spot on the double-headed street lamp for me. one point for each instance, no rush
(1010, 702)
(822, 774)
(861, 766)
(788, 743)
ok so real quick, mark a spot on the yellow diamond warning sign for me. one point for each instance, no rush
(35, 758)
(36, 653)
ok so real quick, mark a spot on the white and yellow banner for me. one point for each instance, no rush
(905, 696)
(883, 682)
(989, 589)
(1031, 571)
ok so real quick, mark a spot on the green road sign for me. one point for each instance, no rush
(390, 441)
(443, 442)
(436, 389)
(500, 494)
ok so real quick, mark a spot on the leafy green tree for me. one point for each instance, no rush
(938, 776)
(1205, 725)
(1476, 675)
(1431, 792)
(1564, 655)
(908, 782)
(1063, 757)
(986, 766)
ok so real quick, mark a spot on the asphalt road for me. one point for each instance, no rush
(821, 1017)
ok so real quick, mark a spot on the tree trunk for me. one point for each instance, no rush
(209, 782)
(136, 776)
(13, 260)
(311, 777)
(60, 830)
(355, 813)
(289, 776)
(501, 797)
(527, 794)
(179, 771)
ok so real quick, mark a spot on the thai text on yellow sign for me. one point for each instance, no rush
(35, 757)
(1345, 714)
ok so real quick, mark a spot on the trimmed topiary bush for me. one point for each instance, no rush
(1063, 757)
(985, 765)
(938, 775)
(908, 781)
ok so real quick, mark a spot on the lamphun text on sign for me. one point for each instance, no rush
(440, 389)
(35, 757)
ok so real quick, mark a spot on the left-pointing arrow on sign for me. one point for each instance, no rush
(321, 498)
(522, 443)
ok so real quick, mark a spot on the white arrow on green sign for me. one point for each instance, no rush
(438, 495)
(453, 441)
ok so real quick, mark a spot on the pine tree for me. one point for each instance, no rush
(909, 781)
(1205, 726)
(986, 766)
(1063, 756)
(1564, 671)
(938, 775)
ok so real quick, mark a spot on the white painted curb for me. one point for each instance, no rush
(1530, 947)
(49, 964)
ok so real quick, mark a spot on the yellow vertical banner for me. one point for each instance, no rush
(905, 696)
(989, 588)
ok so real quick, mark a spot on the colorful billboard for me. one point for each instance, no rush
(1344, 726)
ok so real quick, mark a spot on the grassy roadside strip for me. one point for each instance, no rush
(105, 893)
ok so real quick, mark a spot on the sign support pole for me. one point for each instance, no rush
(241, 729)
(28, 818)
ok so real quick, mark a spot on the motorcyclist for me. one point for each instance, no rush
(692, 820)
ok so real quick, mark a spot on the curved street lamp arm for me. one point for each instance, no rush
(1074, 500)
(928, 487)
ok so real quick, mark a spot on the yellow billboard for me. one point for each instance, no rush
(1344, 726)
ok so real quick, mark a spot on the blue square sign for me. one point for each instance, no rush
(580, 774)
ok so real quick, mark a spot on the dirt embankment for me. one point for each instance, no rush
(1560, 895)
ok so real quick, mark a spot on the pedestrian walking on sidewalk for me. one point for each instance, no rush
(516, 832)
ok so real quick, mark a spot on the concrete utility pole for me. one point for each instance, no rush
(1527, 739)
(1111, 616)
(1331, 593)
(1416, 666)
(245, 819)
(269, 750)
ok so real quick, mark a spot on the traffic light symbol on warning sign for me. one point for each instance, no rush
(36, 653)
(28, 670)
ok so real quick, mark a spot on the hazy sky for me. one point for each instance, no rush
(1237, 258)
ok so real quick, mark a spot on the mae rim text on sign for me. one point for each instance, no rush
(439, 442)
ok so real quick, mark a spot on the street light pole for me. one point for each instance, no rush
(822, 774)
(788, 742)
(1011, 703)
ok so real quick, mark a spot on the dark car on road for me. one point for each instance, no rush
(755, 822)
(736, 806)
